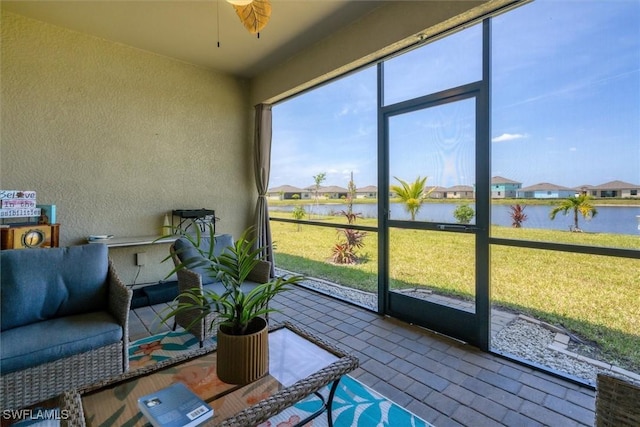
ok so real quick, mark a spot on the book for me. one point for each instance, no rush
(19, 212)
(174, 406)
(48, 211)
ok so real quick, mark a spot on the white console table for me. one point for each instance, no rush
(118, 242)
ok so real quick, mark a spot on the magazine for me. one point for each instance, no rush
(174, 406)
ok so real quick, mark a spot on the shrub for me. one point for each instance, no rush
(299, 213)
(464, 214)
(345, 252)
(517, 215)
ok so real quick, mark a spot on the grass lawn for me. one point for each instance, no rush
(596, 297)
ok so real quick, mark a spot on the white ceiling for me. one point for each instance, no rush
(190, 30)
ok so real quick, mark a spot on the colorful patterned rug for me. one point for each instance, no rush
(354, 404)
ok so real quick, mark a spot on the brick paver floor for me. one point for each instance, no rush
(445, 382)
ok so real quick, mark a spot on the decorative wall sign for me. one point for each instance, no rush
(18, 204)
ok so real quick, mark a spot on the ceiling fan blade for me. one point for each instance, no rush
(255, 15)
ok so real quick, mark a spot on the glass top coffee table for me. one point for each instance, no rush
(300, 365)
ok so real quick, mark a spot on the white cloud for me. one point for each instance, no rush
(507, 137)
(345, 111)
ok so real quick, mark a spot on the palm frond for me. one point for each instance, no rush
(412, 194)
(232, 267)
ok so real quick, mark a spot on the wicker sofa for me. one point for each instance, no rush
(64, 322)
(198, 278)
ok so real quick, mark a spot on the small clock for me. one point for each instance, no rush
(33, 238)
(30, 236)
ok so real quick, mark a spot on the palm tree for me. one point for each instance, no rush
(412, 194)
(580, 203)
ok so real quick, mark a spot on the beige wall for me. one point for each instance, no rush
(115, 137)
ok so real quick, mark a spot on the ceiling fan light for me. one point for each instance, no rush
(240, 2)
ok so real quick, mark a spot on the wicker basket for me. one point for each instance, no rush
(617, 402)
(242, 359)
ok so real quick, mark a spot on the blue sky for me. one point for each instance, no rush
(565, 105)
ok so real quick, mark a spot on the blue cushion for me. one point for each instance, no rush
(219, 289)
(41, 284)
(187, 252)
(47, 341)
(216, 287)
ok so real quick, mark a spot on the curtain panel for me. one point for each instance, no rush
(262, 158)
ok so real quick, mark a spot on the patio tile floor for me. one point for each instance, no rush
(445, 382)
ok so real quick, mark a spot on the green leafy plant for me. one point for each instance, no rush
(351, 194)
(578, 204)
(517, 215)
(345, 252)
(232, 267)
(351, 216)
(299, 213)
(318, 180)
(354, 238)
(464, 214)
(342, 253)
(412, 194)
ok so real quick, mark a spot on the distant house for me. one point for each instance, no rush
(545, 190)
(504, 188)
(587, 189)
(460, 192)
(287, 192)
(335, 192)
(328, 192)
(368, 192)
(437, 193)
(617, 189)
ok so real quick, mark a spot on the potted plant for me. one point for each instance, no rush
(242, 332)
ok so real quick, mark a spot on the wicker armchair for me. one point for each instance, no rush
(189, 280)
(41, 382)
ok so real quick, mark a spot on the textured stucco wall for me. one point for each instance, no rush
(116, 137)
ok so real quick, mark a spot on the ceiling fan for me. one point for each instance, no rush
(254, 14)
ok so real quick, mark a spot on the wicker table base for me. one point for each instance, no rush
(300, 364)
